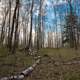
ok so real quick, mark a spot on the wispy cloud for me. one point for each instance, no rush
(59, 2)
(47, 2)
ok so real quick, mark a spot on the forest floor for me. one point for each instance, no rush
(48, 70)
(11, 64)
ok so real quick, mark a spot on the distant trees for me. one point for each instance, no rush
(9, 27)
(71, 28)
(5, 12)
(50, 40)
(21, 18)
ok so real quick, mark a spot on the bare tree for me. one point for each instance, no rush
(13, 24)
(6, 11)
(31, 18)
(16, 27)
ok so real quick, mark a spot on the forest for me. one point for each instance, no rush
(39, 39)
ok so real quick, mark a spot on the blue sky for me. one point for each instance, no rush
(60, 6)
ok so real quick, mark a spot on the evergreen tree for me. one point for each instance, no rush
(71, 28)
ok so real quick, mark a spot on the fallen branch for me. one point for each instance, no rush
(24, 73)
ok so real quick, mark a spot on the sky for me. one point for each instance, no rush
(60, 6)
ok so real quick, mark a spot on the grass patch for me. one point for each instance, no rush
(48, 71)
(63, 53)
(72, 76)
(3, 52)
(13, 63)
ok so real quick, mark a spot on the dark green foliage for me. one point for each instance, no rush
(70, 29)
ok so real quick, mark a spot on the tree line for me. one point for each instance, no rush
(20, 19)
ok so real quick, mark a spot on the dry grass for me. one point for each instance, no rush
(63, 53)
(13, 63)
(47, 70)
